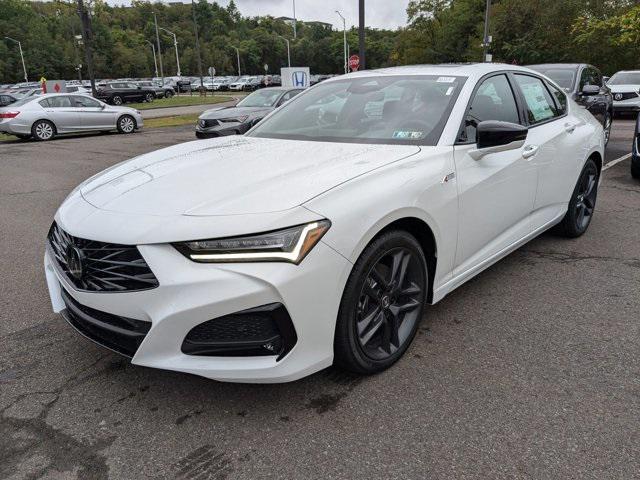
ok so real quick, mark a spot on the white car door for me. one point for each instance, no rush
(497, 191)
(92, 114)
(553, 132)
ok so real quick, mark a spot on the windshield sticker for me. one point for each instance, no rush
(450, 91)
(446, 79)
(407, 135)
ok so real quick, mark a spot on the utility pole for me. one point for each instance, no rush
(361, 37)
(195, 27)
(288, 49)
(344, 31)
(155, 19)
(24, 69)
(238, 55)
(295, 33)
(155, 61)
(485, 43)
(175, 44)
(87, 40)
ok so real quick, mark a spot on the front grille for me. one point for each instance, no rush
(265, 330)
(120, 334)
(100, 267)
(625, 96)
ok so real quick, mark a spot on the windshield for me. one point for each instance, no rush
(563, 77)
(387, 109)
(261, 98)
(625, 78)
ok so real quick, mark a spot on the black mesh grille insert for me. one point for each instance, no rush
(100, 267)
(265, 330)
(120, 334)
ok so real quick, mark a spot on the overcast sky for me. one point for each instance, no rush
(379, 13)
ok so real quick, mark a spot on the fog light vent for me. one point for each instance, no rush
(265, 330)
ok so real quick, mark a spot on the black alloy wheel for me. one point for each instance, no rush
(582, 204)
(116, 100)
(608, 122)
(149, 97)
(382, 304)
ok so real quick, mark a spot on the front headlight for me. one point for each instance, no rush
(288, 245)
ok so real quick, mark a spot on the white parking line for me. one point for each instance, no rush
(615, 162)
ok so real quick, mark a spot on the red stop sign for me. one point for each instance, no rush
(354, 62)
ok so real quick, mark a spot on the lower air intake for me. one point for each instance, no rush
(260, 331)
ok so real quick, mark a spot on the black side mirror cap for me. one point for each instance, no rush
(492, 133)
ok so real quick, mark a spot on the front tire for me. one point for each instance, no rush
(382, 304)
(43, 130)
(117, 100)
(168, 94)
(149, 97)
(582, 204)
(126, 124)
(608, 122)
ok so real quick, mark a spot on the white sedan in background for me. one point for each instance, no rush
(47, 116)
(318, 239)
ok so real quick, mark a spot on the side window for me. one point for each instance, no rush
(597, 77)
(561, 99)
(44, 103)
(59, 102)
(4, 100)
(589, 77)
(540, 105)
(85, 102)
(493, 100)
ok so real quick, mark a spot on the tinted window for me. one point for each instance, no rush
(261, 98)
(493, 100)
(85, 102)
(540, 105)
(385, 109)
(561, 99)
(563, 77)
(589, 76)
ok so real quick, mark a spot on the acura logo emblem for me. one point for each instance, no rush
(74, 258)
(618, 96)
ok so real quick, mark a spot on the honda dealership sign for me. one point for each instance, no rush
(295, 77)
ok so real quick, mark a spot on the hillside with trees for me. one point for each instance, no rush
(603, 32)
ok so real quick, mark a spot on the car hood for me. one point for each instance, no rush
(225, 112)
(624, 88)
(233, 176)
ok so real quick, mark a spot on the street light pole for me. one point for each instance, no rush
(155, 61)
(486, 31)
(155, 19)
(195, 27)
(238, 55)
(344, 30)
(24, 69)
(295, 33)
(87, 39)
(175, 44)
(361, 35)
(288, 49)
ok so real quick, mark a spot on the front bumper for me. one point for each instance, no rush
(627, 106)
(191, 293)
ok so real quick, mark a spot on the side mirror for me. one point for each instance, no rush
(588, 90)
(494, 136)
(103, 106)
(605, 79)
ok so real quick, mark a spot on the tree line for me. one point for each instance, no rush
(603, 32)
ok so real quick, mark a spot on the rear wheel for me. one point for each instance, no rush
(149, 97)
(382, 304)
(582, 204)
(168, 94)
(608, 122)
(126, 124)
(43, 130)
(116, 100)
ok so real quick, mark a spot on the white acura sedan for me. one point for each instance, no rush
(319, 236)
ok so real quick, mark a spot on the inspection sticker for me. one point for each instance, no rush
(407, 135)
(446, 79)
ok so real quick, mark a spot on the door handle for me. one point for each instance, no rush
(530, 151)
(569, 127)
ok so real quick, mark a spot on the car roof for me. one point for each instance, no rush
(471, 70)
(551, 66)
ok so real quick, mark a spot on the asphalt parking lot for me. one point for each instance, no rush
(531, 370)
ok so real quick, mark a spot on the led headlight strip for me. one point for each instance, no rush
(287, 245)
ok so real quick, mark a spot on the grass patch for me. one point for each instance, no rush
(6, 138)
(181, 101)
(175, 121)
